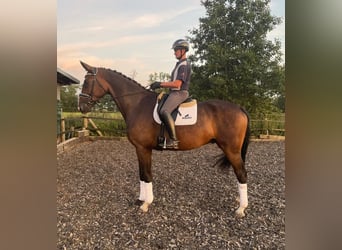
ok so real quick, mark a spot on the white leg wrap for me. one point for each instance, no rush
(142, 195)
(148, 192)
(146, 195)
(243, 195)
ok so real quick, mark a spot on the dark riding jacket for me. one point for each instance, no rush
(182, 71)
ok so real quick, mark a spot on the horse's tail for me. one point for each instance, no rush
(246, 139)
(223, 161)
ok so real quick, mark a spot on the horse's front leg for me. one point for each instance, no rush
(145, 172)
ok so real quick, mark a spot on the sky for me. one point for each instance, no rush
(132, 37)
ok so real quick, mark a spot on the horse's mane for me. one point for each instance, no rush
(124, 76)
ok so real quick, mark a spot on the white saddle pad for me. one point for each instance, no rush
(187, 114)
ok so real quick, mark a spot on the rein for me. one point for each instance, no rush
(133, 93)
(90, 97)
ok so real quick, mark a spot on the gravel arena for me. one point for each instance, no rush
(194, 202)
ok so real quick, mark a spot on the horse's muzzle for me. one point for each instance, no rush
(84, 108)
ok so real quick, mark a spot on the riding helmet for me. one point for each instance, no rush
(181, 44)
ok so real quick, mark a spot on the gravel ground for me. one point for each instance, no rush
(98, 185)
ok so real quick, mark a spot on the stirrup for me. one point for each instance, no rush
(172, 144)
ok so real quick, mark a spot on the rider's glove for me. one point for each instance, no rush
(155, 85)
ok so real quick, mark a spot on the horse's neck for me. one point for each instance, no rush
(127, 95)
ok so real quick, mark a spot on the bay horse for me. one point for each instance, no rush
(218, 121)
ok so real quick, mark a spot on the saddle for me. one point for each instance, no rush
(184, 114)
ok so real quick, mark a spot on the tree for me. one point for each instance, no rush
(233, 59)
(106, 103)
(69, 99)
(134, 74)
(161, 76)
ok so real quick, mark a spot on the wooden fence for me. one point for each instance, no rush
(70, 127)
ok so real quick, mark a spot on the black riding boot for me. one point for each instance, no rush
(170, 126)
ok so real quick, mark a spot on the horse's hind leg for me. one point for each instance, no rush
(241, 174)
(242, 199)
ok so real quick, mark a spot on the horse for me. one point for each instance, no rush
(220, 122)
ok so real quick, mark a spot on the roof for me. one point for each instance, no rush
(63, 78)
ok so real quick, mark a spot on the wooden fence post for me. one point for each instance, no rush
(95, 127)
(63, 129)
(85, 122)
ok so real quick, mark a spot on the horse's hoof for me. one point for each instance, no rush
(144, 207)
(239, 213)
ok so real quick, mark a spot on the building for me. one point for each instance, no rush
(63, 78)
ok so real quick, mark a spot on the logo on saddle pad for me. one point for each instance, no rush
(186, 113)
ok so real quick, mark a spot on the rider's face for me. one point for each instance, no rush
(178, 53)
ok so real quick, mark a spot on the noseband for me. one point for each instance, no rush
(91, 101)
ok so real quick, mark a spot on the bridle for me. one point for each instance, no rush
(89, 96)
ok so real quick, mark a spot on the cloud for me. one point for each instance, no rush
(149, 20)
(88, 29)
(135, 38)
(153, 20)
(126, 65)
(129, 21)
(127, 55)
(120, 41)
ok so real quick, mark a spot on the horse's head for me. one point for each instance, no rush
(92, 90)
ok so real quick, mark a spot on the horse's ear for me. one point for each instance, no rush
(88, 68)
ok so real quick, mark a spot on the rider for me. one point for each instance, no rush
(179, 85)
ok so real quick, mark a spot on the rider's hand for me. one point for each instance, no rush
(155, 85)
